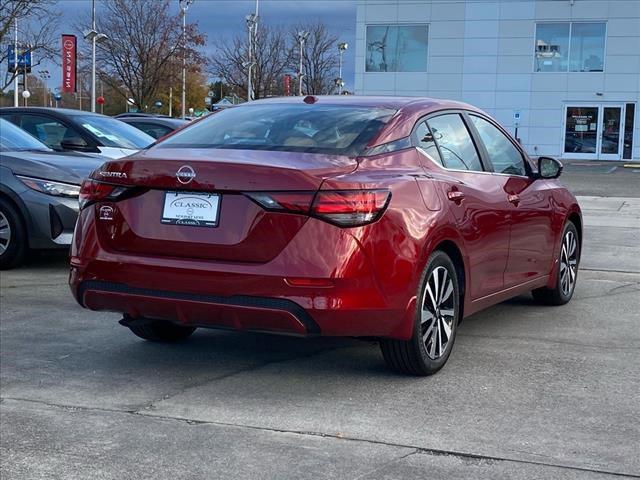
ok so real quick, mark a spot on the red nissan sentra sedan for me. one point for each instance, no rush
(356, 216)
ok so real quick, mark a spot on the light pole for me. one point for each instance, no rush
(302, 38)
(94, 37)
(252, 27)
(342, 47)
(184, 5)
(44, 75)
(15, 65)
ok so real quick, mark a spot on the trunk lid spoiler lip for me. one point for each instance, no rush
(287, 170)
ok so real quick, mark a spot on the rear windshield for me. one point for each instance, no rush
(332, 129)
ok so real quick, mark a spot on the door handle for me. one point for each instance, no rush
(514, 199)
(455, 196)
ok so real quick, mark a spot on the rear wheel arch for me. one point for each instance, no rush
(455, 254)
(574, 218)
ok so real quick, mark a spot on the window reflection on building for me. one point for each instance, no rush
(572, 47)
(396, 48)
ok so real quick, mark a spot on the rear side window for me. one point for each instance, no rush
(49, 131)
(504, 156)
(331, 129)
(426, 142)
(456, 146)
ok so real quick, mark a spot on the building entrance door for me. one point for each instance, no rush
(593, 132)
(611, 132)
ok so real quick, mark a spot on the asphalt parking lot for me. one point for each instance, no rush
(529, 392)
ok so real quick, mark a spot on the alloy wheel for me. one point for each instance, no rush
(568, 263)
(438, 313)
(5, 233)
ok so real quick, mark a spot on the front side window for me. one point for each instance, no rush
(456, 146)
(570, 47)
(396, 48)
(504, 156)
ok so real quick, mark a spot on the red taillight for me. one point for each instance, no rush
(290, 202)
(93, 191)
(345, 208)
(349, 208)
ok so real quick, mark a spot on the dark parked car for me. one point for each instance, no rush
(76, 130)
(157, 127)
(38, 194)
(382, 217)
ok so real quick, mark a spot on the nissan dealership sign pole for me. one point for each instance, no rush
(69, 63)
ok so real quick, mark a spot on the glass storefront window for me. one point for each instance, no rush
(570, 47)
(581, 131)
(396, 48)
(552, 47)
(587, 47)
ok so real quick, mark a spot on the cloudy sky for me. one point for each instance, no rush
(225, 18)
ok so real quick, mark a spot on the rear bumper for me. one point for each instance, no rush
(253, 297)
(238, 312)
(357, 296)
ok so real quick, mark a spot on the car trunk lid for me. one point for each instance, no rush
(243, 231)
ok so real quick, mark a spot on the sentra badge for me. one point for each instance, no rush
(112, 174)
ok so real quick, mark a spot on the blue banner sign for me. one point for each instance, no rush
(24, 58)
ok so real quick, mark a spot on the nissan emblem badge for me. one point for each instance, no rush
(185, 174)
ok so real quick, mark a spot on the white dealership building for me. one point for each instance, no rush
(566, 73)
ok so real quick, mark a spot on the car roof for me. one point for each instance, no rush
(140, 115)
(380, 101)
(53, 111)
(178, 122)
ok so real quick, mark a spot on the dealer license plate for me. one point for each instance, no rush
(189, 208)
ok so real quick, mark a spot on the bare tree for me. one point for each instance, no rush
(144, 47)
(37, 25)
(320, 58)
(271, 57)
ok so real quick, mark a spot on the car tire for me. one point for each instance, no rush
(161, 331)
(13, 237)
(423, 354)
(567, 275)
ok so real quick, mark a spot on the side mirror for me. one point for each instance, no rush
(549, 167)
(74, 143)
